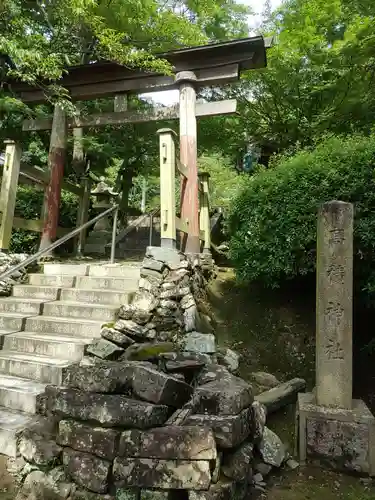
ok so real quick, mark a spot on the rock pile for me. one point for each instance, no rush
(165, 309)
(150, 414)
(7, 261)
(136, 430)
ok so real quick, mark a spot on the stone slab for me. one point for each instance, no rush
(183, 365)
(127, 494)
(82, 437)
(282, 395)
(157, 387)
(223, 490)
(168, 256)
(157, 495)
(105, 409)
(99, 377)
(339, 439)
(237, 464)
(200, 342)
(162, 474)
(132, 329)
(271, 448)
(87, 470)
(104, 349)
(229, 430)
(38, 449)
(228, 396)
(88, 495)
(116, 337)
(171, 442)
(211, 372)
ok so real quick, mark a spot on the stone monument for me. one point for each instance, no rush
(332, 427)
(101, 233)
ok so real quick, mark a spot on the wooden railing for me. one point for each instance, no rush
(14, 171)
(170, 223)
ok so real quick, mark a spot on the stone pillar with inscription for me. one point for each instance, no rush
(334, 305)
(333, 428)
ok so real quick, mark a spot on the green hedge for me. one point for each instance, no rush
(28, 206)
(272, 223)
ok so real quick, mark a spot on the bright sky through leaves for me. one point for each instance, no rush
(170, 97)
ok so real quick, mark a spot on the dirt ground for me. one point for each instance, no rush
(277, 336)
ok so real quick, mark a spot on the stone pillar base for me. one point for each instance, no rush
(97, 241)
(342, 440)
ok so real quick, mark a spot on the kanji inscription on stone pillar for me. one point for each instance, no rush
(334, 305)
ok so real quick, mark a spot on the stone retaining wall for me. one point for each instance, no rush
(7, 261)
(149, 413)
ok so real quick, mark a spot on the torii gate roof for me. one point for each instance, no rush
(213, 64)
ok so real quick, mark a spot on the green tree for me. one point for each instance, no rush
(319, 78)
(272, 222)
(38, 39)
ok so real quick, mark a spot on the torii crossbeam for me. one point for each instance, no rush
(193, 68)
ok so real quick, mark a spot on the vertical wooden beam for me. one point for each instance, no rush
(56, 159)
(8, 193)
(78, 151)
(120, 103)
(188, 156)
(144, 195)
(167, 187)
(83, 214)
(205, 223)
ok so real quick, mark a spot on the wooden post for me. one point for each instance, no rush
(8, 193)
(120, 103)
(188, 156)
(83, 214)
(56, 159)
(144, 195)
(167, 187)
(205, 223)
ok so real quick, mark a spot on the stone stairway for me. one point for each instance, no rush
(45, 326)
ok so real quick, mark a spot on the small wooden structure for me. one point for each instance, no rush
(193, 68)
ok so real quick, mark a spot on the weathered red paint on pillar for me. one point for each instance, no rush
(188, 156)
(56, 160)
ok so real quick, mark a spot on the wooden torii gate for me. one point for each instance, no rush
(193, 68)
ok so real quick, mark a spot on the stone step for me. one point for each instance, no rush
(66, 269)
(21, 305)
(19, 393)
(47, 344)
(99, 312)
(98, 296)
(115, 270)
(13, 321)
(120, 284)
(76, 327)
(36, 291)
(47, 280)
(33, 366)
(11, 424)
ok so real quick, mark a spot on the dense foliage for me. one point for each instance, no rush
(225, 182)
(319, 77)
(29, 202)
(40, 39)
(273, 220)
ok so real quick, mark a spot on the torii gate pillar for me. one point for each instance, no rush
(188, 156)
(56, 159)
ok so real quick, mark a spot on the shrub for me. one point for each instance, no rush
(272, 222)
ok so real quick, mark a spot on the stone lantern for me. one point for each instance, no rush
(101, 233)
